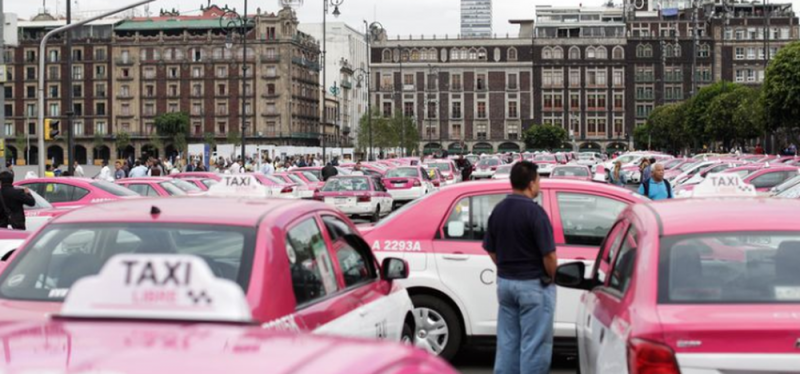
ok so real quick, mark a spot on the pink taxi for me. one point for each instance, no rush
(302, 264)
(198, 174)
(9, 241)
(690, 287)
(357, 196)
(452, 280)
(406, 183)
(156, 186)
(70, 192)
(546, 162)
(169, 313)
(766, 178)
(202, 183)
(574, 172)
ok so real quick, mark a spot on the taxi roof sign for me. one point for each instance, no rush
(162, 287)
(239, 185)
(724, 185)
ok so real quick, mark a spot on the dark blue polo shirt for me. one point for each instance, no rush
(520, 233)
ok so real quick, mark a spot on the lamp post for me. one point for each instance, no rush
(362, 76)
(326, 4)
(373, 31)
(433, 71)
(233, 22)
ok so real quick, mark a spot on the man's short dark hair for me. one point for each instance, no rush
(6, 178)
(652, 160)
(522, 174)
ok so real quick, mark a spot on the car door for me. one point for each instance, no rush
(587, 341)
(463, 265)
(381, 312)
(62, 195)
(320, 306)
(581, 220)
(608, 314)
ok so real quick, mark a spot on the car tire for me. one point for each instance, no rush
(377, 215)
(407, 335)
(430, 311)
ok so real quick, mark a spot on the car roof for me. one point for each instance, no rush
(193, 210)
(66, 180)
(680, 217)
(146, 179)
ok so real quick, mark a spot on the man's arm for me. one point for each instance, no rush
(493, 256)
(550, 264)
(26, 198)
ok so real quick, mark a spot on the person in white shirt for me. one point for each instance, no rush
(235, 168)
(105, 173)
(267, 168)
(138, 171)
(78, 170)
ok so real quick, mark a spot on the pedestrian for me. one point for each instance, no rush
(644, 169)
(48, 171)
(13, 201)
(759, 149)
(105, 173)
(119, 172)
(329, 171)
(10, 167)
(357, 170)
(78, 170)
(519, 240)
(156, 170)
(236, 167)
(199, 167)
(267, 168)
(189, 167)
(656, 187)
(139, 170)
(617, 177)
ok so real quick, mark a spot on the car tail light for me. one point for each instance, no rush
(494, 168)
(450, 177)
(364, 199)
(287, 189)
(646, 357)
(417, 183)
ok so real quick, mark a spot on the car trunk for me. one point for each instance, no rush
(398, 183)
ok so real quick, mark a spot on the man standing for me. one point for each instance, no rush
(119, 172)
(13, 199)
(139, 170)
(267, 168)
(78, 170)
(656, 188)
(519, 239)
(329, 171)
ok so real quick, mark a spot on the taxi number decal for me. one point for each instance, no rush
(397, 246)
(287, 323)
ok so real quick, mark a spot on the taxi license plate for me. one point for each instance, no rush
(342, 201)
(399, 184)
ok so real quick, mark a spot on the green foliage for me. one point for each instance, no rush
(545, 137)
(733, 116)
(382, 134)
(123, 140)
(697, 107)
(782, 90)
(171, 124)
(98, 141)
(210, 139)
(179, 141)
(234, 138)
(665, 129)
(641, 136)
(156, 141)
(405, 132)
(21, 142)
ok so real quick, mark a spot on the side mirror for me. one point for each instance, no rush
(455, 229)
(571, 275)
(394, 268)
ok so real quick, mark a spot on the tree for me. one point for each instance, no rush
(156, 141)
(697, 107)
(782, 90)
(381, 132)
(123, 140)
(234, 138)
(545, 136)
(21, 142)
(98, 142)
(408, 140)
(210, 139)
(728, 118)
(666, 128)
(173, 126)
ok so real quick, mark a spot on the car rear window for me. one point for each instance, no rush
(730, 268)
(297, 179)
(571, 172)
(346, 185)
(402, 173)
(311, 176)
(489, 162)
(503, 170)
(114, 189)
(63, 253)
(544, 158)
(443, 167)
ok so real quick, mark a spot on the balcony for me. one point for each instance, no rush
(346, 84)
(269, 76)
(125, 115)
(273, 95)
(123, 96)
(125, 78)
(645, 96)
(270, 58)
(312, 65)
(270, 114)
(456, 87)
(125, 61)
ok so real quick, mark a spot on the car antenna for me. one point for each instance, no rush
(154, 211)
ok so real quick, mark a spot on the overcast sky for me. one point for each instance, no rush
(402, 17)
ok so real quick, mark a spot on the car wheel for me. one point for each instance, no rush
(377, 215)
(437, 329)
(407, 336)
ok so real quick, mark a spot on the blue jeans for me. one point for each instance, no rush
(524, 327)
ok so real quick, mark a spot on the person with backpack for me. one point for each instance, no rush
(656, 187)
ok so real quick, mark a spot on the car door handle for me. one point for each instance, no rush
(456, 257)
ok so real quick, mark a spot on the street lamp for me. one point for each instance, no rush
(363, 75)
(232, 22)
(373, 31)
(326, 4)
(433, 71)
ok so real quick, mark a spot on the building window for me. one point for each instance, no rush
(512, 54)
(558, 53)
(456, 113)
(54, 110)
(547, 53)
(432, 110)
(408, 109)
(77, 128)
(574, 78)
(513, 131)
(618, 53)
(619, 101)
(77, 72)
(481, 131)
(100, 128)
(619, 128)
(601, 53)
(512, 81)
(455, 82)
(512, 110)
(481, 110)
(100, 109)
(387, 109)
(574, 53)
(574, 101)
(8, 129)
(590, 53)
(619, 78)
(481, 82)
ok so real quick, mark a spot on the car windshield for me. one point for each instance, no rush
(688, 166)
(186, 186)
(297, 179)
(742, 173)
(402, 173)
(790, 193)
(317, 173)
(311, 176)
(63, 253)
(114, 189)
(172, 189)
(41, 203)
(544, 158)
(730, 268)
(443, 167)
(346, 185)
(571, 172)
(489, 162)
(672, 163)
(209, 182)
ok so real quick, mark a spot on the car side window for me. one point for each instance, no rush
(622, 271)
(769, 180)
(310, 264)
(63, 193)
(585, 218)
(606, 254)
(142, 189)
(473, 212)
(336, 227)
(458, 216)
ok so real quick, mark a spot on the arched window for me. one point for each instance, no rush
(482, 54)
(547, 53)
(497, 54)
(414, 55)
(454, 54)
(473, 54)
(590, 54)
(703, 51)
(433, 54)
(463, 54)
(677, 50)
(387, 55)
(574, 53)
(602, 53)
(512, 54)
(558, 53)
(618, 53)
(668, 51)
(648, 50)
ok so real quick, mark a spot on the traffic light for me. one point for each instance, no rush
(51, 129)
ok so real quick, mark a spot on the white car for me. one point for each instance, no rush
(589, 159)
(485, 168)
(503, 172)
(448, 169)
(359, 196)
(406, 183)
